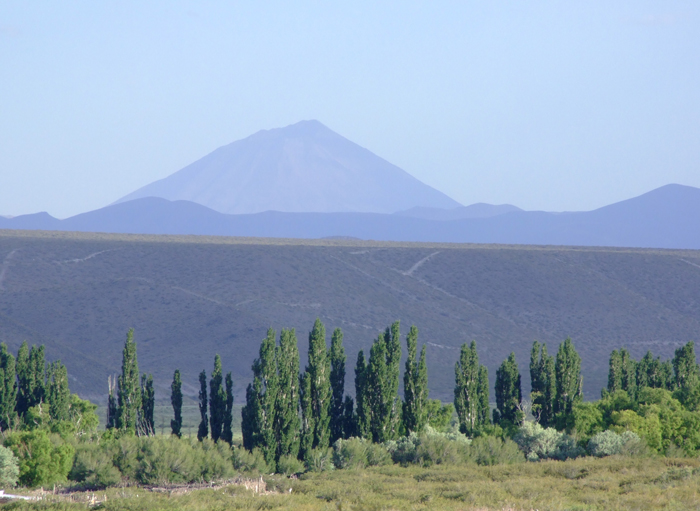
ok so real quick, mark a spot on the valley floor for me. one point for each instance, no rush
(584, 484)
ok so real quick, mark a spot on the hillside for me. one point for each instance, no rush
(191, 297)
(305, 167)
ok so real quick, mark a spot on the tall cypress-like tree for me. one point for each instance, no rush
(543, 384)
(393, 361)
(471, 391)
(259, 411)
(203, 429)
(8, 388)
(349, 418)
(653, 373)
(362, 413)
(686, 374)
(615, 372)
(31, 377)
(112, 407)
(569, 382)
(508, 393)
(217, 400)
(58, 393)
(337, 422)
(286, 421)
(316, 393)
(227, 434)
(128, 387)
(147, 425)
(24, 380)
(415, 386)
(176, 401)
(622, 373)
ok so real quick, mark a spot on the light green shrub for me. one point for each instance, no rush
(350, 453)
(538, 443)
(247, 461)
(319, 460)
(94, 467)
(289, 465)
(609, 443)
(9, 468)
(490, 450)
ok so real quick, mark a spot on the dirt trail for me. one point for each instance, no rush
(5, 265)
(413, 268)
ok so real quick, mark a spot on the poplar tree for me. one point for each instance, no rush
(286, 420)
(543, 384)
(316, 393)
(471, 391)
(569, 382)
(349, 419)
(31, 377)
(362, 414)
(376, 393)
(393, 361)
(128, 387)
(653, 373)
(227, 434)
(147, 424)
(259, 411)
(415, 386)
(24, 380)
(58, 393)
(622, 373)
(337, 422)
(112, 407)
(8, 388)
(217, 400)
(686, 373)
(176, 401)
(203, 430)
(508, 393)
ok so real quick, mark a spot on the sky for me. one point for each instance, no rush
(556, 106)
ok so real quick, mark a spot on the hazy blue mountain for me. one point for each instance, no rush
(479, 210)
(667, 217)
(304, 167)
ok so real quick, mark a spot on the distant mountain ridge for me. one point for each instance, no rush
(304, 167)
(667, 217)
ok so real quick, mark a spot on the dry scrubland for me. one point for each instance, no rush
(582, 484)
(189, 297)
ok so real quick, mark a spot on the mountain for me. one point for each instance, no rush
(304, 167)
(663, 218)
(479, 210)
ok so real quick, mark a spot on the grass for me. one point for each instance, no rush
(613, 483)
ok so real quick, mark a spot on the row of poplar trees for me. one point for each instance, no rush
(131, 400)
(292, 413)
(556, 386)
(28, 383)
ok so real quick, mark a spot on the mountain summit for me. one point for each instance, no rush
(305, 167)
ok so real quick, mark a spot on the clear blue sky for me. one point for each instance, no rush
(546, 105)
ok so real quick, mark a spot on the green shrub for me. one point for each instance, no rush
(9, 468)
(43, 459)
(377, 455)
(350, 453)
(403, 451)
(538, 443)
(609, 443)
(289, 465)
(247, 461)
(490, 450)
(441, 450)
(319, 460)
(214, 459)
(94, 466)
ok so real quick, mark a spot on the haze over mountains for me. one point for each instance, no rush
(305, 181)
(305, 167)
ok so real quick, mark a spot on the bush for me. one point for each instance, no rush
(319, 460)
(247, 461)
(43, 460)
(289, 465)
(441, 450)
(9, 468)
(609, 443)
(489, 450)
(94, 467)
(538, 443)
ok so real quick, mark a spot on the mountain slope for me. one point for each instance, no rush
(304, 167)
(189, 298)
